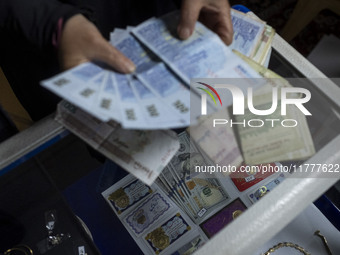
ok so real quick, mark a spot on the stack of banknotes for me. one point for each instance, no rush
(157, 95)
(142, 153)
(195, 193)
(127, 117)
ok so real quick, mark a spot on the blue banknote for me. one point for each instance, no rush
(87, 71)
(107, 101)
(203, 55)
(142, 57)
(170, 89)
(247, 33)
(79, 86)
(159, 83)
(132, 115)
(157, 94)
(157, 113)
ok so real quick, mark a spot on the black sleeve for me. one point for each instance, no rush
(34, 20)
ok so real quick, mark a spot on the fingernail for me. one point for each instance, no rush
(130, 67)
(184, 32)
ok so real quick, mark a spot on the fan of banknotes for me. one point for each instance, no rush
(135, 111)
(157, 95)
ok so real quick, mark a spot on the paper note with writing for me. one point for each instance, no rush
(275, 143)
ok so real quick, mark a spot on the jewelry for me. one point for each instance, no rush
(237, 213)
(324, 240)
(57, 239)
(22, 248)
(53, 239)
(50, 219)
(299, 248)
(287, 244)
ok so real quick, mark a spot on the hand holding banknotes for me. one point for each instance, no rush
(215, 14)
(82, 42)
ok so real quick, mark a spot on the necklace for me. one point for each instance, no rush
(287, 244)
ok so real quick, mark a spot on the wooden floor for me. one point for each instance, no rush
(11, 105)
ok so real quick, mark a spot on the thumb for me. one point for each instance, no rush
(190, 11)
(105, 52)
(81, 41)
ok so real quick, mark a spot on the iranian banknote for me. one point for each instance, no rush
(142, 153)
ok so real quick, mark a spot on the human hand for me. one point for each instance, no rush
(81, 42)
(215, 14)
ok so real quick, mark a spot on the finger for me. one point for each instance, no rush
(227, 32)
(224, 29)
(190, 11)
(223, 25)
(110, 55)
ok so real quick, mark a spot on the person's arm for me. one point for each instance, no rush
(215, 14)
(35, 20)
(50, 23)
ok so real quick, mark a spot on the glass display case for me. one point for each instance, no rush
(47, 172)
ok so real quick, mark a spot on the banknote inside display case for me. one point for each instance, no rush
(193, 207)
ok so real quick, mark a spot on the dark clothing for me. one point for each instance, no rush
(27, 54)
